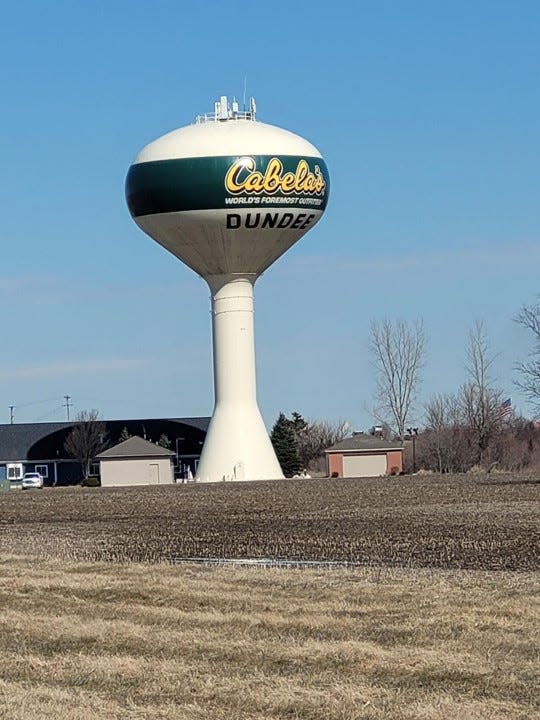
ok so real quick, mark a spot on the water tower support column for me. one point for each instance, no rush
(237, 445)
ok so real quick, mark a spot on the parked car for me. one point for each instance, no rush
(32, 480)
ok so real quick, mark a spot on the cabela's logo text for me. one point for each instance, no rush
(243, 177)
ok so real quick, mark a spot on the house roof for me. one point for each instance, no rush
(361, 441)
(135, 447)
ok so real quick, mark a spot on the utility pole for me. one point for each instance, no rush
(11, 409)
(413, 434)
(67, 398)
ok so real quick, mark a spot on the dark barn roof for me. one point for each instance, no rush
(41, 441)
(17, 439)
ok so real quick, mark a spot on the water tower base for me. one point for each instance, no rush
(237, 447)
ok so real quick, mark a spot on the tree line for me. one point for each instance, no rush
(473, 426)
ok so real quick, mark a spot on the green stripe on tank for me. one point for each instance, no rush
(163, 186)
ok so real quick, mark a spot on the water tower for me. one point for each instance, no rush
(228, 195)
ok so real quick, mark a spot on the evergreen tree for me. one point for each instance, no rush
(164, 441)
(299, 425)
(285, 444)
(124, 435)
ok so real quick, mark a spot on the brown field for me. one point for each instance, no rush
(488, 522)
(153, 642)
(435, 625)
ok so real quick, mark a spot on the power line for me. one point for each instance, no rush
(50, 413)
(67, 405)
(36, 402)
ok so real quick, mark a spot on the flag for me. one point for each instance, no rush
(505, 408)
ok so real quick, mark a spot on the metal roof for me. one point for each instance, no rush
(17, 439)
(364, 442)
(135, 447)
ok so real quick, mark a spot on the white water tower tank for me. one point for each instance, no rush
(228, 195)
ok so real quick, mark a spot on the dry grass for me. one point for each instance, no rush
(466, 522)
(110, 642)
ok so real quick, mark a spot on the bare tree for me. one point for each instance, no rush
(398, 353)
(87, 439)
(480, 400)
(529, 318)
(442, 438)
(317, 436)
(448, 445)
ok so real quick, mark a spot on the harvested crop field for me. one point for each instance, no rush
(471, 522)
(97, 641)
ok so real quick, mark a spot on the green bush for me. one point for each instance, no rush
(92, 481)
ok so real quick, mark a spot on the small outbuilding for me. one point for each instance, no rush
(136, 462)
(364, 456)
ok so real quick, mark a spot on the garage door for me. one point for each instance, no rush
(364, 465)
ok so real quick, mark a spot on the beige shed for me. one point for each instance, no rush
(136, 462)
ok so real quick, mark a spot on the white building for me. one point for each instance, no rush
(136, 462)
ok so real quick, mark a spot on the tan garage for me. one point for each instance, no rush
(136, 462)
(364, 455)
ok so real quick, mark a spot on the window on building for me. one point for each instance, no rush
(15, 471)
(43, 470)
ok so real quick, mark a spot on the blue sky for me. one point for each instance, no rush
(428, 116)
